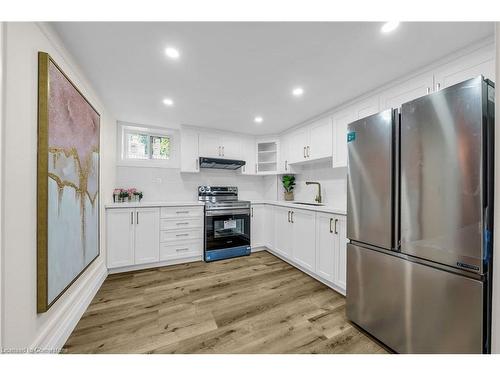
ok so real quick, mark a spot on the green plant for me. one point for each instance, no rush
(288, 182)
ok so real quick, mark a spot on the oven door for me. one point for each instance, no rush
(227, 228)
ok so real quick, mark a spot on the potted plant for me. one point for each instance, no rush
(288, 184)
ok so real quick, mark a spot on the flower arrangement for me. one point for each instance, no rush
(127, 195)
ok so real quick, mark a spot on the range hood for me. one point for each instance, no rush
(215, 163)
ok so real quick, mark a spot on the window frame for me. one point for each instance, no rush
(125, 129)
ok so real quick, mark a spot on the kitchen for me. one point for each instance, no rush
(232, 217)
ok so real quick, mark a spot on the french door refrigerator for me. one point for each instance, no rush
(419, 220)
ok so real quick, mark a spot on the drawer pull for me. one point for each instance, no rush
(182, 235)
(181, 223)
(182, 249)
(181, 212)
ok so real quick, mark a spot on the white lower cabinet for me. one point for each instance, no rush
(147, 228)
(331, 246)
(315, 242)
(149, 235)
(282, 231)
(304, 238)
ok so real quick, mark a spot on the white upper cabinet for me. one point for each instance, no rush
(480, 62)
(407, 91)
(215, 144)
(366, 108)
(340, 122)
(320, 139)
(268, 154)
(248, 146)
(190, 161)
(311, 142)
(210, 145)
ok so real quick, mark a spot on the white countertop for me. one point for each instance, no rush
(326, 208)
(153, 204)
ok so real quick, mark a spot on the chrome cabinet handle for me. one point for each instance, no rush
(291, 216)
(137, 217)
(219, 151)
(181, 223)
(305, 152)
(182, 235)
(182, 249)
(331, 230)
(132, 217)
(438, 86)
(336, 220)
(286, 165)
(181, 212)
(252, 212)
(308, 151)
(222, 150)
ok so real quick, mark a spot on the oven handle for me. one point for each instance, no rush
(224, 212)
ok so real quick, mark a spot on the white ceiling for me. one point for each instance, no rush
(228, 73)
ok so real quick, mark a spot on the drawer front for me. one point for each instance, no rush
(178, 212)
(178, 235)
(168, 224)
(181, 249)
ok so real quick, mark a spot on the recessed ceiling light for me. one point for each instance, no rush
(298, 91)
(172, 52)
(258, 119)
(168, 101)
(389, 26)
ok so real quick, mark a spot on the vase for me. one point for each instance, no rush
(289, 195)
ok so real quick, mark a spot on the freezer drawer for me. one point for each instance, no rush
(413, 308)
(370, 182)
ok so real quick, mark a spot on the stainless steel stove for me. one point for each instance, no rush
(227, 222)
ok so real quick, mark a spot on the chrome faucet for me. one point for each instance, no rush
(318, 197)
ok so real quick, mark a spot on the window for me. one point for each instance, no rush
(147, 146)
(144, 146)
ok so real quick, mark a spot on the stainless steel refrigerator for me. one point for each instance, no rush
(419, 221)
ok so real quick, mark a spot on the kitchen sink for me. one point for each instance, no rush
(309, 203)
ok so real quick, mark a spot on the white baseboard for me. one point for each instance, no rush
(58, 330)
(258, 248)
(155, 265)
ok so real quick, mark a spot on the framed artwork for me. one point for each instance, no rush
(68, 183)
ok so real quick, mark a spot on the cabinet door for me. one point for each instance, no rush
(120, 237)
(325, 246)
(268, 225)
(407, 91)
(282, 230)
(299, 139)
(340, 122)
(257, 225)
(231, 147)
(366, 107)
(147, 235)
(250, 157)
(189, 151)
(304, 238)
(320, 139)
(210, 145)
(341, 251)
(470, 66)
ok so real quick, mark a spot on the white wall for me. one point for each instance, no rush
(333, 185)
(23, 327)
(169, 184)
(496, 235)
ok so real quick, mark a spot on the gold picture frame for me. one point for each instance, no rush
(47, 180)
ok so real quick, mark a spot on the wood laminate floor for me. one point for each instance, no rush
(254, 304)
